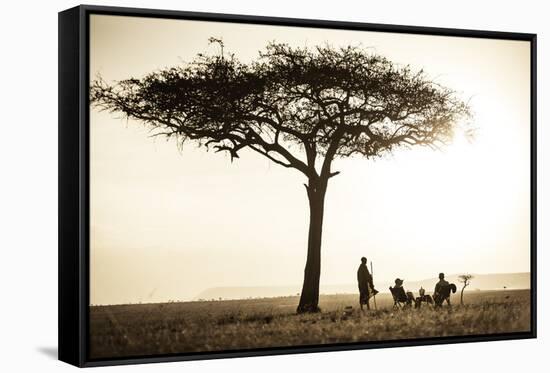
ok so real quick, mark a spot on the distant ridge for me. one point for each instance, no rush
(493, 281)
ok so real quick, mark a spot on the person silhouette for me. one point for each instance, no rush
(403, 295)
(439, 288)
(366, 287)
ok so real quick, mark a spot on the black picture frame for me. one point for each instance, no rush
(74, 182)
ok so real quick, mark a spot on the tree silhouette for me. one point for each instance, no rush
(299, 107)
(465, 280)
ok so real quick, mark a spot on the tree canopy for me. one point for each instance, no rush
(329, 102)
(465, 279)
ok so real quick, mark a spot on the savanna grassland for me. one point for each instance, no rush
(164, 328)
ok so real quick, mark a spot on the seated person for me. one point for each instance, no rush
(399, 293)
(442, 291)
(423, 297)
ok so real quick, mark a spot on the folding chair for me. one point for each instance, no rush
(400, 298)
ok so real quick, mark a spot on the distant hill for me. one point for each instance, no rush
(491, 281)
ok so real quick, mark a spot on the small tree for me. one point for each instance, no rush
(298, 107)
(465, 280)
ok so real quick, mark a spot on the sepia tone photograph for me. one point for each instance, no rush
(259, 186)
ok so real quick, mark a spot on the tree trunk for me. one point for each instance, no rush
(309, 299)
(462, 295)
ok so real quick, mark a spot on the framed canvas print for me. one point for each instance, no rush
(239, 186)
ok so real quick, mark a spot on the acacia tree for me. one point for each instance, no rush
(465, 280)
(299, 107)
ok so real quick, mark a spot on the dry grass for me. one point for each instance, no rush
(148, 329)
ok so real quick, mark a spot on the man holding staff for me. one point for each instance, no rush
(366, 286)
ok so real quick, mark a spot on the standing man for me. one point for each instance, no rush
(442, 290)
(366, 287)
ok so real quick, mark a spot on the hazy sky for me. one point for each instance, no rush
(167, 224)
